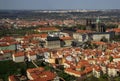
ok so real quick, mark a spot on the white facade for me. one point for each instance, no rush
(72, 73)
(29, 76)
(104, 69)
(116, 59)
(96, 73)
(77, 36)
(98, 37)
(66, 65)
(112, 72)
(95, 36)
(18, 59)
(32, 57)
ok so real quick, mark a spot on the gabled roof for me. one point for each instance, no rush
(40, 35)
(117, 30)
(39, 74)
(12, 78)
(18, 54)
(53, 38)
(98, 43)
(66, 38)
(47, 29)
(83, 31)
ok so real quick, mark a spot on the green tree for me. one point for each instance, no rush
(111, 58)
(81, 27)
(91, 78)
(104, 39)
(82, 68)
(117, 78)
(66, 76)
(104, 76)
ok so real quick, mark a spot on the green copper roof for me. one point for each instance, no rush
(98, 20)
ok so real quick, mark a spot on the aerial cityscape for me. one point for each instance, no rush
(66, 40)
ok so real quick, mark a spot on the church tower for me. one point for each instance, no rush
(97, 24)
(88, 24)
(100, 27)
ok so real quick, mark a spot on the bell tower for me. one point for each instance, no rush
(97, 24)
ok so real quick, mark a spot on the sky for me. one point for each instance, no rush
(59, 4)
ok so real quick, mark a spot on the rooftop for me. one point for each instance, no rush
(39, 74)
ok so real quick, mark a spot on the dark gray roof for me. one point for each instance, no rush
(53, 38)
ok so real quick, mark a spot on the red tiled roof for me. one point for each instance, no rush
(47, 29)
(19, 54)
(117, 30)
(43, 35)
(32, 53)
(98, 43)
(8, 43)
(7, 39)
(38, 74)
(111, 66)
(112, 46)
(71, 71)
(4, 44)
(88, 69)
(77, 49)
(97, 68)
(66, 38)
(35, 69)
(7, 51)
(34, 42)
(12, 78)
(40, 35)
(28, 37)
(83, 63)
(83, 31)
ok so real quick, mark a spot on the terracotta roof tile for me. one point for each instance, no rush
(66, 38)
(38, 74)
(98, 43)
(83, 31)
(47, 29)
(12, 78)
(19, 54)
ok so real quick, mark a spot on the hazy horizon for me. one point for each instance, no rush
(58, 4)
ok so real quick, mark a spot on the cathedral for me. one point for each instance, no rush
(95, 25)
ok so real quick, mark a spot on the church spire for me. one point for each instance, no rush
(97, 23)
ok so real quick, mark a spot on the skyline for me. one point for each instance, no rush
(55, 4)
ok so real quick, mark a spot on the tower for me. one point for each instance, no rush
(97, 24)
(100, 27)
(88, 24)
